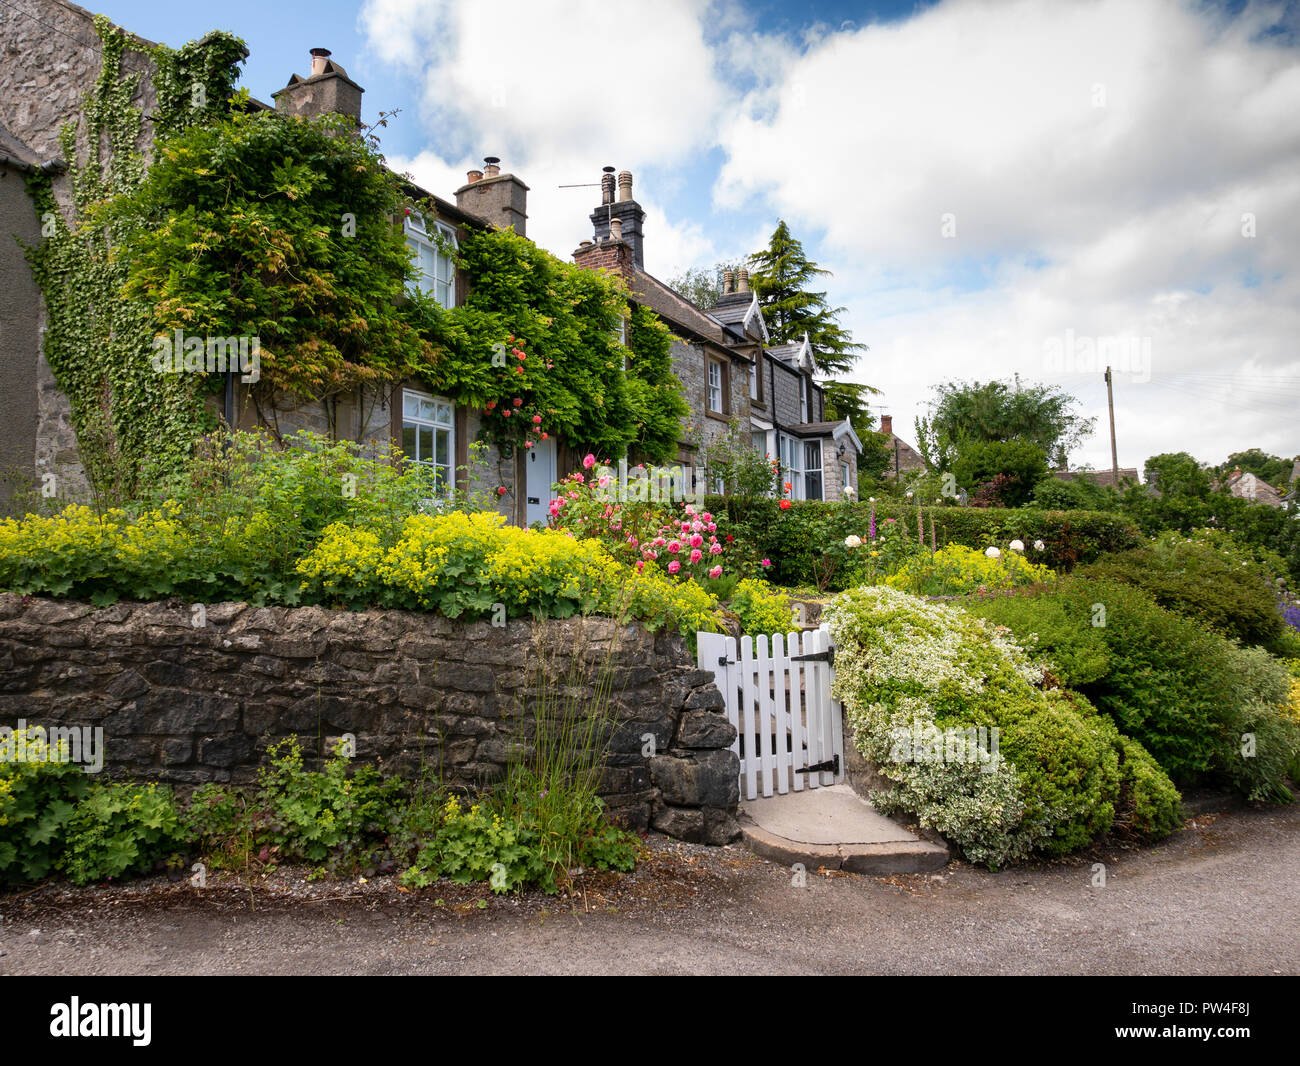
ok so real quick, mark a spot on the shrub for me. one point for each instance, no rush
(902, 663)
(1183, 691)
(761, 608)
(1222, 587)
(957, 570)
(1020, 463)
(464, 564)
(121, 829)
(38, 796)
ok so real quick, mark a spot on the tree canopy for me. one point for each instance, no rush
(961, 413)
(781, 275)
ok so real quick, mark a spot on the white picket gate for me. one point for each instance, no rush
(778, 696)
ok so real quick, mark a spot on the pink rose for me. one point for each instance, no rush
(674, 566)
(674, 546)
(766, 562)
(537, 420)
(715, 549)
(696, 555)
(697, 526)
(588, 461)
(716, 572)
(696, 540)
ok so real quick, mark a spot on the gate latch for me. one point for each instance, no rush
(830, 766)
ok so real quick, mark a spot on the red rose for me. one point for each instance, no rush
(518, 402)
(501, 490)
(785, 504)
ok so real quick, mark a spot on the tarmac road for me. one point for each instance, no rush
(1221, 897)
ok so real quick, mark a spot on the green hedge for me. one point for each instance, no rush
(798, 541)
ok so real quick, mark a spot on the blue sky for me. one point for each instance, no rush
(986, 180)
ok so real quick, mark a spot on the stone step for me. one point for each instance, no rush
(835, 828)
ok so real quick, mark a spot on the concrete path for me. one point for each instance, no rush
(836, 829)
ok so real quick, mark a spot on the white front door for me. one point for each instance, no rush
(542, 474)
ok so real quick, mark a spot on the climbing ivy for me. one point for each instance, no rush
(249, 223)
(128, 419)
(541, 337)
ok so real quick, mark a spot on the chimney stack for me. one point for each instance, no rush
(326, 89)
(501, 199)
(728, 281)
(742, 281)
(625, 211)
(887, 424)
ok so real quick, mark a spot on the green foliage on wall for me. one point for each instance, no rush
(545, 333)
(127, 418)
(276, 228)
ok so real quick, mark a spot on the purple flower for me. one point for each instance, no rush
(1292, 616)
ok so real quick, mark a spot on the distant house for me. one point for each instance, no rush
(903, 458)
(724, 358)
(1246, 486)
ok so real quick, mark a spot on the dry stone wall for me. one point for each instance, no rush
(189, 694)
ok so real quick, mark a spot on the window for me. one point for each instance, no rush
(717, 387)
(756, 381)
(812, 466)
(433, 244)
(803, 399)
(792, 455)
(428, 436)
(844, 478)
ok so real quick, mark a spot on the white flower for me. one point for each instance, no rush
(909, 495)
(1039, 545)
(1017, 545)
(849, 490)
(852, 541)
(992, 552)
(871, 499)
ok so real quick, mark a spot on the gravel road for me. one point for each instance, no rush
(1221, 897)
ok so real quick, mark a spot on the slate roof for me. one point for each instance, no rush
(673, 307)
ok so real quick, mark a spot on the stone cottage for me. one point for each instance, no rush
(724, 358)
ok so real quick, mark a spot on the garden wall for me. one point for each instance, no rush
(189, 695)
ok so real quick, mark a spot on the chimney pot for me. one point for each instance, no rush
(607, 186)
(624, 185)
(616, 229)
(491, 166)
(319, 57)
(728, 281)
(584, 244)
(742, 281)
(473, 176)
(887, 424)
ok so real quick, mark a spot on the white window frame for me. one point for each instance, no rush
(809, 470)
(803, 399)
(710, 366)
(444, 473)
(416, 228)
(790, 450)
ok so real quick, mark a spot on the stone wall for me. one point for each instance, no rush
(190, 703)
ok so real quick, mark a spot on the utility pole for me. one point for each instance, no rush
(1114, 455)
